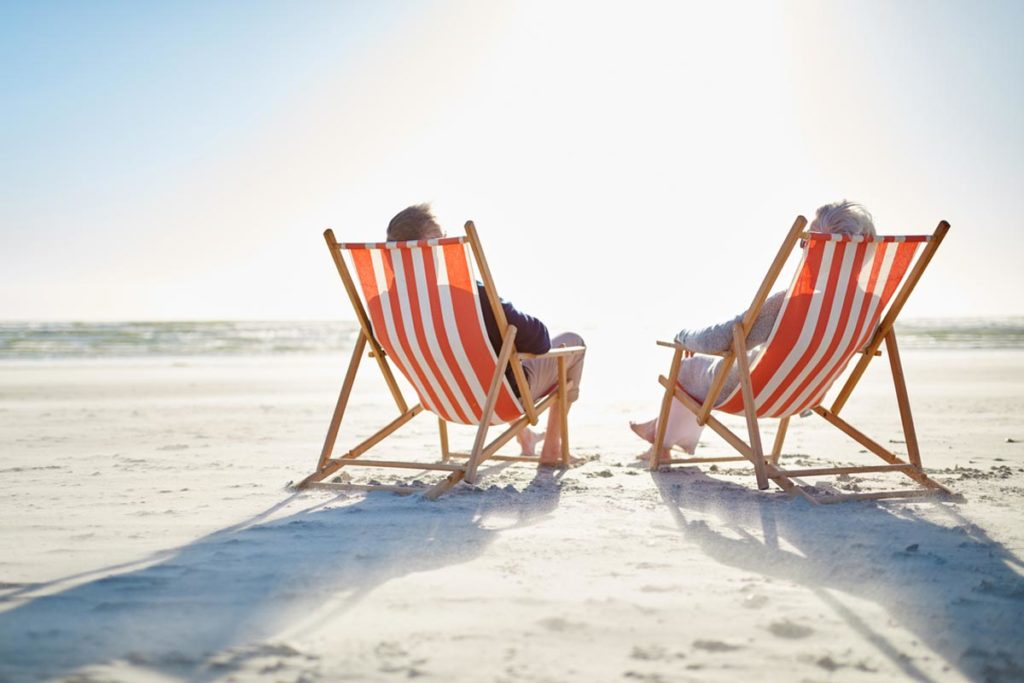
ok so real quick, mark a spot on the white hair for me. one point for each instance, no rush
(844, 218)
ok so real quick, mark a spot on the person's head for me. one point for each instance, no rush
(414, 223)
(843, 218)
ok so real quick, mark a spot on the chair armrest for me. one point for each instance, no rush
(554, 353)
(677, 345)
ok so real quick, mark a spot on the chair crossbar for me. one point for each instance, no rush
(500, 458)
(403, 464)
(555, 353)
(820, 471)
(676, 345)
(877, 495)
(345, 486)
(409, 244)
(697, 461)
(827, 237)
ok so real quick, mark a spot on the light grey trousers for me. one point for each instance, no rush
(543, 372)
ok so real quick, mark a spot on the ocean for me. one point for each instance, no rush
(46, 340)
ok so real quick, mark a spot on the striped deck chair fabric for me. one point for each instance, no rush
(839, 293)
(425, 309)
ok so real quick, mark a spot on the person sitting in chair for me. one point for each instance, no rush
(697, 373)
(418, 223)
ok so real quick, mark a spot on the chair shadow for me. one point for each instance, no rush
(202, 610)
(957, 590)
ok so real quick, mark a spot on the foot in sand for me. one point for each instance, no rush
(551, 453)
(645, 430)
(666, 455)
(528, 441)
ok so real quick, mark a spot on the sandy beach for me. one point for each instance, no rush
(147, 533)
(182, 184)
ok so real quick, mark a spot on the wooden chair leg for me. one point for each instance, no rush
(666, 407)
(492, 398)
(749, 409)
(780, 437)
(478, 444)
(437, 490)
(442, 428)
(563, 406)
(518, 374)
(902, 399)
(339, 409)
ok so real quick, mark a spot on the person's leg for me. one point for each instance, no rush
(528, 440)
(551, 452)
(681, 428)
(543, 375)
(539, 373)
(645, 430)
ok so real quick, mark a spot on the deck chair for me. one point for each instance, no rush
(419, 310)
(842, 303)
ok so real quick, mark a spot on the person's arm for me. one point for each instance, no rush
(765, 321)
(531, 334)
(718, 338)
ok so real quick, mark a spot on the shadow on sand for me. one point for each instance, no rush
(200, 611)
(953, 587)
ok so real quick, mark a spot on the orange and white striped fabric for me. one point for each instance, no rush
(841, 289)
(424, 306)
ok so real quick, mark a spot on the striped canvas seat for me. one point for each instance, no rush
(840, 291)
(425, 310)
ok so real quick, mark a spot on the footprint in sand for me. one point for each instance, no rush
(559, 624)
(393, 658)
(787, 629)
(755, 601)
(660, 589)
(645, 677)
(715, 646)
(654, 653)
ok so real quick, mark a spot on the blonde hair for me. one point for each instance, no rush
(844, 218)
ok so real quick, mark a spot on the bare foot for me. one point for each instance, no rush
(528, 440)
(666, 456)
(645, 430)
(551, 454)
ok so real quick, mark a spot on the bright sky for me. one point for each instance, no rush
(624, 162)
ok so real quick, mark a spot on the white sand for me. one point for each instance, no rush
(146, 534)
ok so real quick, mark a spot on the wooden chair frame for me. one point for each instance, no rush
(481, 450)
(768, 468)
